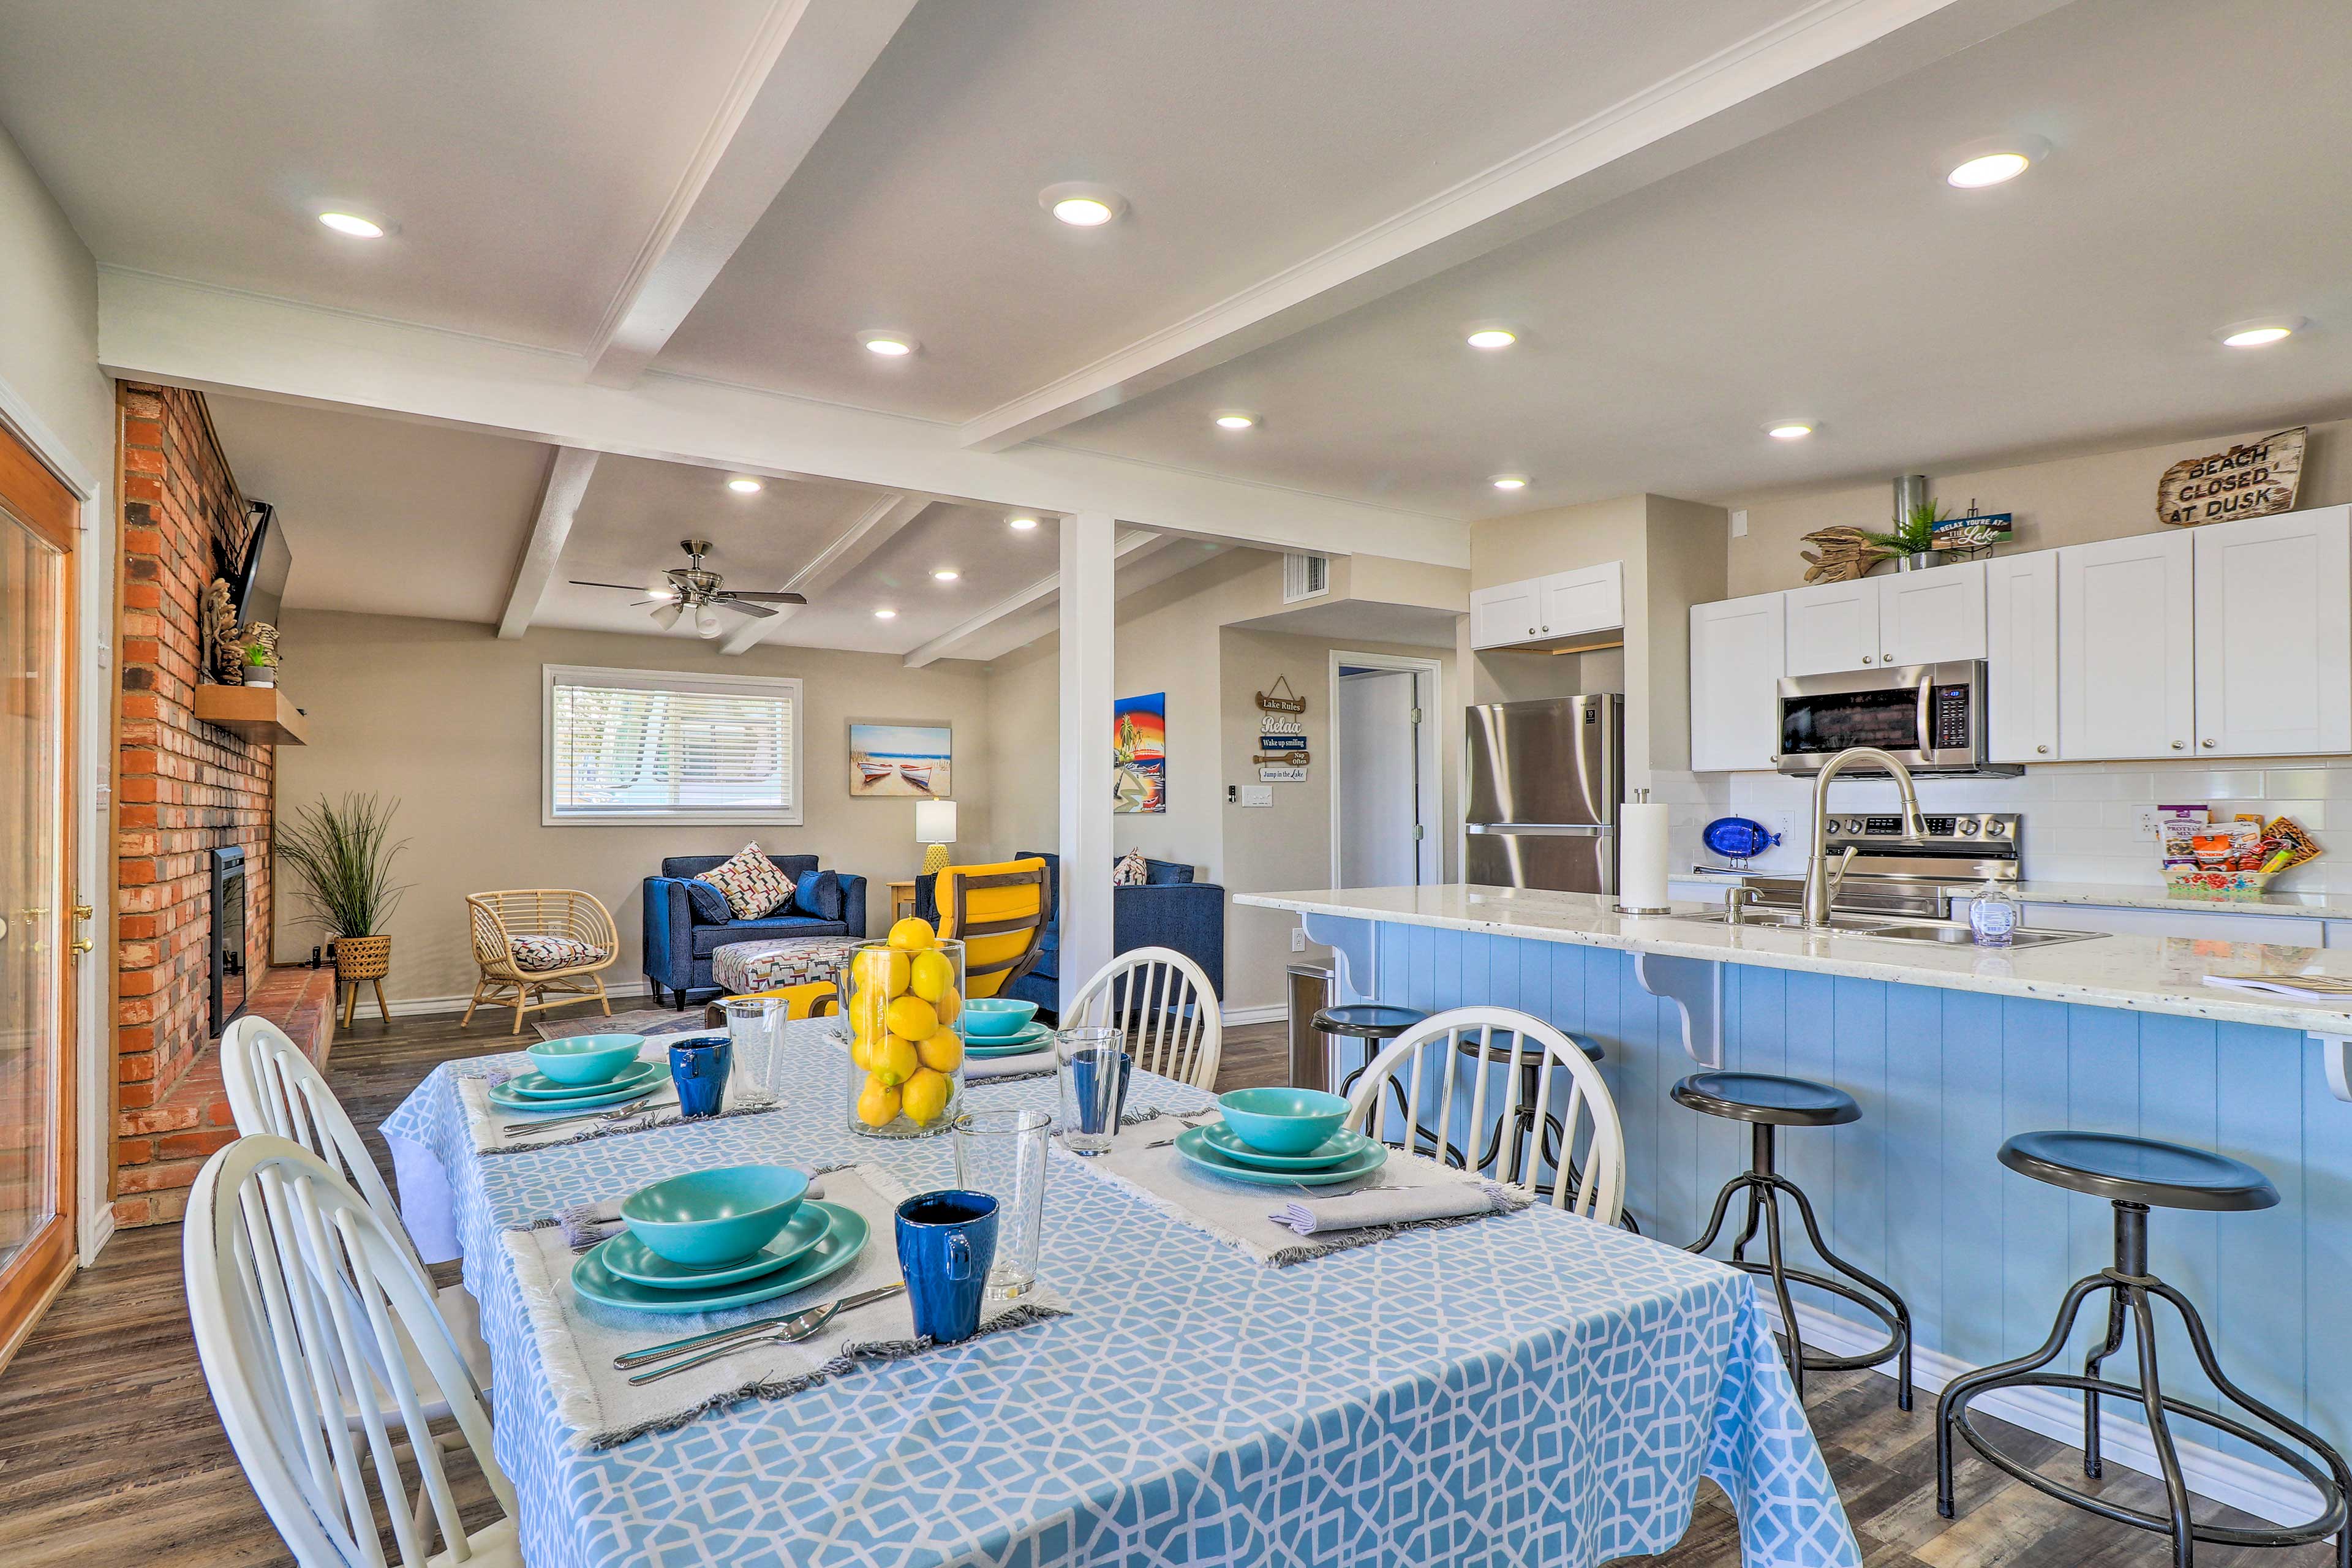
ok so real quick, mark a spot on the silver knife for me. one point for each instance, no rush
(680, 1347)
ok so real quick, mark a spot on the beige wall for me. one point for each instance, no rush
(446, 717)
(48, 346)
(2064, 500)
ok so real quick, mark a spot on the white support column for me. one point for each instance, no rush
(1087, 594)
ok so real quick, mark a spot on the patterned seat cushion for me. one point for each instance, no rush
(744, 966)
(537, 954)
(751, 882)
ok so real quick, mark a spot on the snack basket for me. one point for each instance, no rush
(2231, 887)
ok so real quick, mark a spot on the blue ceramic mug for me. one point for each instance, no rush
(699, 1068)
(947, 1243)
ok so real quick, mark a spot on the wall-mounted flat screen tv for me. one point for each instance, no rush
(259, 588)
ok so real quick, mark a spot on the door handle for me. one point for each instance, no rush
(82, 944)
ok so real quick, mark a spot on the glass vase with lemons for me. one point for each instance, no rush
(901, 1000)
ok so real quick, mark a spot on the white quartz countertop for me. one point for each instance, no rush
(2142, 974)
(2106, 895)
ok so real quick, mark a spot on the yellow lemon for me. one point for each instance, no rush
(894, 1061)
(941, 1053)
(912, 935)
(912, 1017)
(949, 1005)
(933, 976)
(882, 971)
(926, 1095)
(877, 1103)
(861, 1051)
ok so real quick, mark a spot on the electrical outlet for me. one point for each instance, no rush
(1298, 939)
(1784, 822)
(2146, 823)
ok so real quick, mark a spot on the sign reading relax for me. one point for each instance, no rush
(2253, 480)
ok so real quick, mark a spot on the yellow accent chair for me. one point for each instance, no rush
(1000, 913)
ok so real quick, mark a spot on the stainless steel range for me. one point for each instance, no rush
(1890, 872)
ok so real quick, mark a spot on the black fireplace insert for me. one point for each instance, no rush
(227, 947)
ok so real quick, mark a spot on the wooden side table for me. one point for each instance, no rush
(902, 900)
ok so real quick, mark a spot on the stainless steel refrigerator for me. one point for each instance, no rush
(1542, 781)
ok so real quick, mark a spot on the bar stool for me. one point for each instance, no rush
(2135, 1174)
(1505, 1048)
(1375, 1023)
(1766, 1102)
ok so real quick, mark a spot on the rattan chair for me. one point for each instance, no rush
(500, 918)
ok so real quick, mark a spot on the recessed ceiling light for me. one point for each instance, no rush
(352, 224)
(1994, 161)
(1020, 524)
(885, 614)
(744, 487)
(946, 574)
(1234, 419)
(1492, 337)
(1509, 481)
(888, 345)
(2260, 331)
(1789, 429)
(1082, 205)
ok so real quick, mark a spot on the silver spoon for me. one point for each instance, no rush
(617, 1113)
(799, 1326)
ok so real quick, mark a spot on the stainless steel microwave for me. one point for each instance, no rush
(1930, 715)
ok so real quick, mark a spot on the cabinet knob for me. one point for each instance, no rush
(1865, 658)
(2205, 744)
(2180, 745)
(1531, 631)
(2044, 750)
(1887, 658)
(1547, 628)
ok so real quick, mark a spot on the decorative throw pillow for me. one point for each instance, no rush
(1131, 871)
(709, 903)
(752, 884)
(542, 952)
(818, 894)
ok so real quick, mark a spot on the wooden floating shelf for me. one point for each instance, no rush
(263, 714)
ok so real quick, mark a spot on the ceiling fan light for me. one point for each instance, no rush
(666, 617)
(706, 623)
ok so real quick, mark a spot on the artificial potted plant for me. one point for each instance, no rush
(341, 857)
(1911, 543)
(260, 665)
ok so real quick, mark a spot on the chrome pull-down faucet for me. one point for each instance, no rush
(1821, 886)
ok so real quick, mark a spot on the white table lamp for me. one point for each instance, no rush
(935, 825)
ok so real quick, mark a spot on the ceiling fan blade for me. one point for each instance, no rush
(769, 598)
(734, 603)
(623, 587)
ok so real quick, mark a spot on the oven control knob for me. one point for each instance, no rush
(1995, 829)
(1854, 825)
(1967, 826)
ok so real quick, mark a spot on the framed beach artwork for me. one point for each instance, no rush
(900, 761)
(1139, 730)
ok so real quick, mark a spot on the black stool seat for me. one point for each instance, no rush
(1505, 1047)
(1367, 1020)
(1763, 1097)
(2139, 1170)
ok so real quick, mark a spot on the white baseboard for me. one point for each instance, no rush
(96, 1230)
(2225, 1477)
(411, 1006)
(1274, 1013)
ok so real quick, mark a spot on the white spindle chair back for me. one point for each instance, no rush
(298, 1293)
(1168, 1008)
(1595, 1140)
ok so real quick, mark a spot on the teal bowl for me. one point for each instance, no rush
(995, 1017)
(1283, 1120)
(710, 1219)
(579, 1060)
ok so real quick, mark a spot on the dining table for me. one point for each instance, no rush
(1531, 1388)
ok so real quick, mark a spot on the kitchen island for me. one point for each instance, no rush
(1949, 1050)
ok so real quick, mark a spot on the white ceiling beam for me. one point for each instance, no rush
(806, 60)
(1045, 591)
(226, 340)
(868, 531)
(568, 472)
(1757, 86)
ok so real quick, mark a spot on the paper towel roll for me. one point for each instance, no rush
(1642, 857)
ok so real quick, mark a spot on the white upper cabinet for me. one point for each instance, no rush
(1546, 609)
(2274, 634)
(1736, 653)
(2022, 657)
(2126, 649)
(1508, 614)
(1832, 626)
(1927, 617)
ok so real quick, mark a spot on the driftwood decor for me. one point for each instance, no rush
(2253, 480)
(1841, 555)
(225, 641)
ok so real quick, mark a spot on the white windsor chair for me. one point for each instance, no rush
(1168, 1008)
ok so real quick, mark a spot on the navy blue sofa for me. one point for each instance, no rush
(679, 946)
(1170, 909)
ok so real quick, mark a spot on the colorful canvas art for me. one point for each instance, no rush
(1138, 729)
(899, 760)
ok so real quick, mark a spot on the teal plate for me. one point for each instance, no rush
(840, 1248)
(508, 1103)
(1193, 1144)
(631, 1260)
(1341, 1145)
(1029, 1037)
(539, 1086)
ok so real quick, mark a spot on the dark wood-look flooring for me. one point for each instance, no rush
(110, 1452)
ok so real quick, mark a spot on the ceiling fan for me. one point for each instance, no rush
(691, 587)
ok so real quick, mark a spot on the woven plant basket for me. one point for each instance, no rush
(363, 957)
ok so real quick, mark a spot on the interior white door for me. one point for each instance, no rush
(2126, 649)
(2022, 657)
(1588, 600)
(1736, 648)
(2274, 634)
(1505, 614)
(1927, 617)
(1379, 789)
(1832, 626)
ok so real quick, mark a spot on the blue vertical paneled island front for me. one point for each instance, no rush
(1913, 1192)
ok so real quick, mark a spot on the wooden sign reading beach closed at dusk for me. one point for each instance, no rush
(2253, 480)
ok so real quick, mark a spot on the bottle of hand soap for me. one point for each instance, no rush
(1993, 914)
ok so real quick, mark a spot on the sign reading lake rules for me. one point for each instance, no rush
(2253, 480)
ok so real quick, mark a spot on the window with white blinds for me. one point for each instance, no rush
(657, 745)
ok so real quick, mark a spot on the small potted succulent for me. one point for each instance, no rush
(260, 665)
(1911, 543)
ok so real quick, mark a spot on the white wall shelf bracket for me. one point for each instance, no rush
(1353, 943)
(2336, 1056)
(1694, 985)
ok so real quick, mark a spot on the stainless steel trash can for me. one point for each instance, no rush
(1310, 993)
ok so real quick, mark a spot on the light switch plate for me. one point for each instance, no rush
(1739, 523)
(1257, 794)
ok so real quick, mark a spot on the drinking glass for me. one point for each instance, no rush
(755, 1026)
(1002, 1154)
(1093, 1066)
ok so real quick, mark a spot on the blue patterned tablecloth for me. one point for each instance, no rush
(1530, 1390)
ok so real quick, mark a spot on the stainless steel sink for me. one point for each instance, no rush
(1953, 932)
(1785, 919)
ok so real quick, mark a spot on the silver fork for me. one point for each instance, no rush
(799, 1326)
(617, 1113)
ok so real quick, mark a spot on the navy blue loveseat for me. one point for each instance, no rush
(679, 945)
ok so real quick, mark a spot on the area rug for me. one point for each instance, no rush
(643, 1021)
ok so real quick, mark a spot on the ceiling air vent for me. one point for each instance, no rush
(1304, 577)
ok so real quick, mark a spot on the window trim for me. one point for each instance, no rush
(550, 675)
